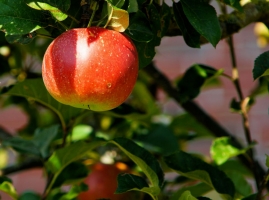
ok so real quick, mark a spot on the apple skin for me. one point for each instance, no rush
(91, 68)
(102, 182)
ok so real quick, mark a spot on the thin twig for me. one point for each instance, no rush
(244, 112)
(262, 186)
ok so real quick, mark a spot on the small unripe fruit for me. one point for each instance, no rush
(92, 68)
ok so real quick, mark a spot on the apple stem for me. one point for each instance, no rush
(94, 7)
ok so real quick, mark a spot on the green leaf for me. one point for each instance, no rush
(71, 176)
(250, 197)
(22, 146)
(132, 6)
(18, 19)
(261, 65)
(203, 18)
(29, 196)
(145, 161)
(194, 78)
(64, 156)
(81, 131)
(237, 166)
(118, 19)
(43, 137)
(234, 3)
(194, 168)
(190, 35)
(7, 187)
(56, 8)
(23, 39)
(267, 161)
(185, 126)
(139, 28)
(116, 3)
(165, 17)
(222, 149)
(34, 89)
(161, 139)
(187, 196)
(73, 192)
(146, 53)
(127, 182)
(242, 187)
(196, 190)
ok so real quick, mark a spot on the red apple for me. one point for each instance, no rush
(92, 68)
(102, 182)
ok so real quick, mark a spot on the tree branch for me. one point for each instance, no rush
(200, 115)
(235, 21)
(27, 164)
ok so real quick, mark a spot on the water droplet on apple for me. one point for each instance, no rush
(108, 85)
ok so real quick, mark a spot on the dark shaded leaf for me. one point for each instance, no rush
(22, 146)
(203, 18)
(29, 196)
(43, 137)
(165, 17)
(155, 23)
(161, 139)
(73, 173)
(128, 182)
(192, 81)
(145, 161)
(194, 168)
(19, 19)
(139, 28)
(23, 39)
(146, 53)
(261, 65)
(190, 35)
(234, 3)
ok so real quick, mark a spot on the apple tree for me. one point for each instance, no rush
(83, 73)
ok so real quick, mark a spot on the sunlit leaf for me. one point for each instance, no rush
(7, 187)
(222, 149)
(187, 196)
(56, 8)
